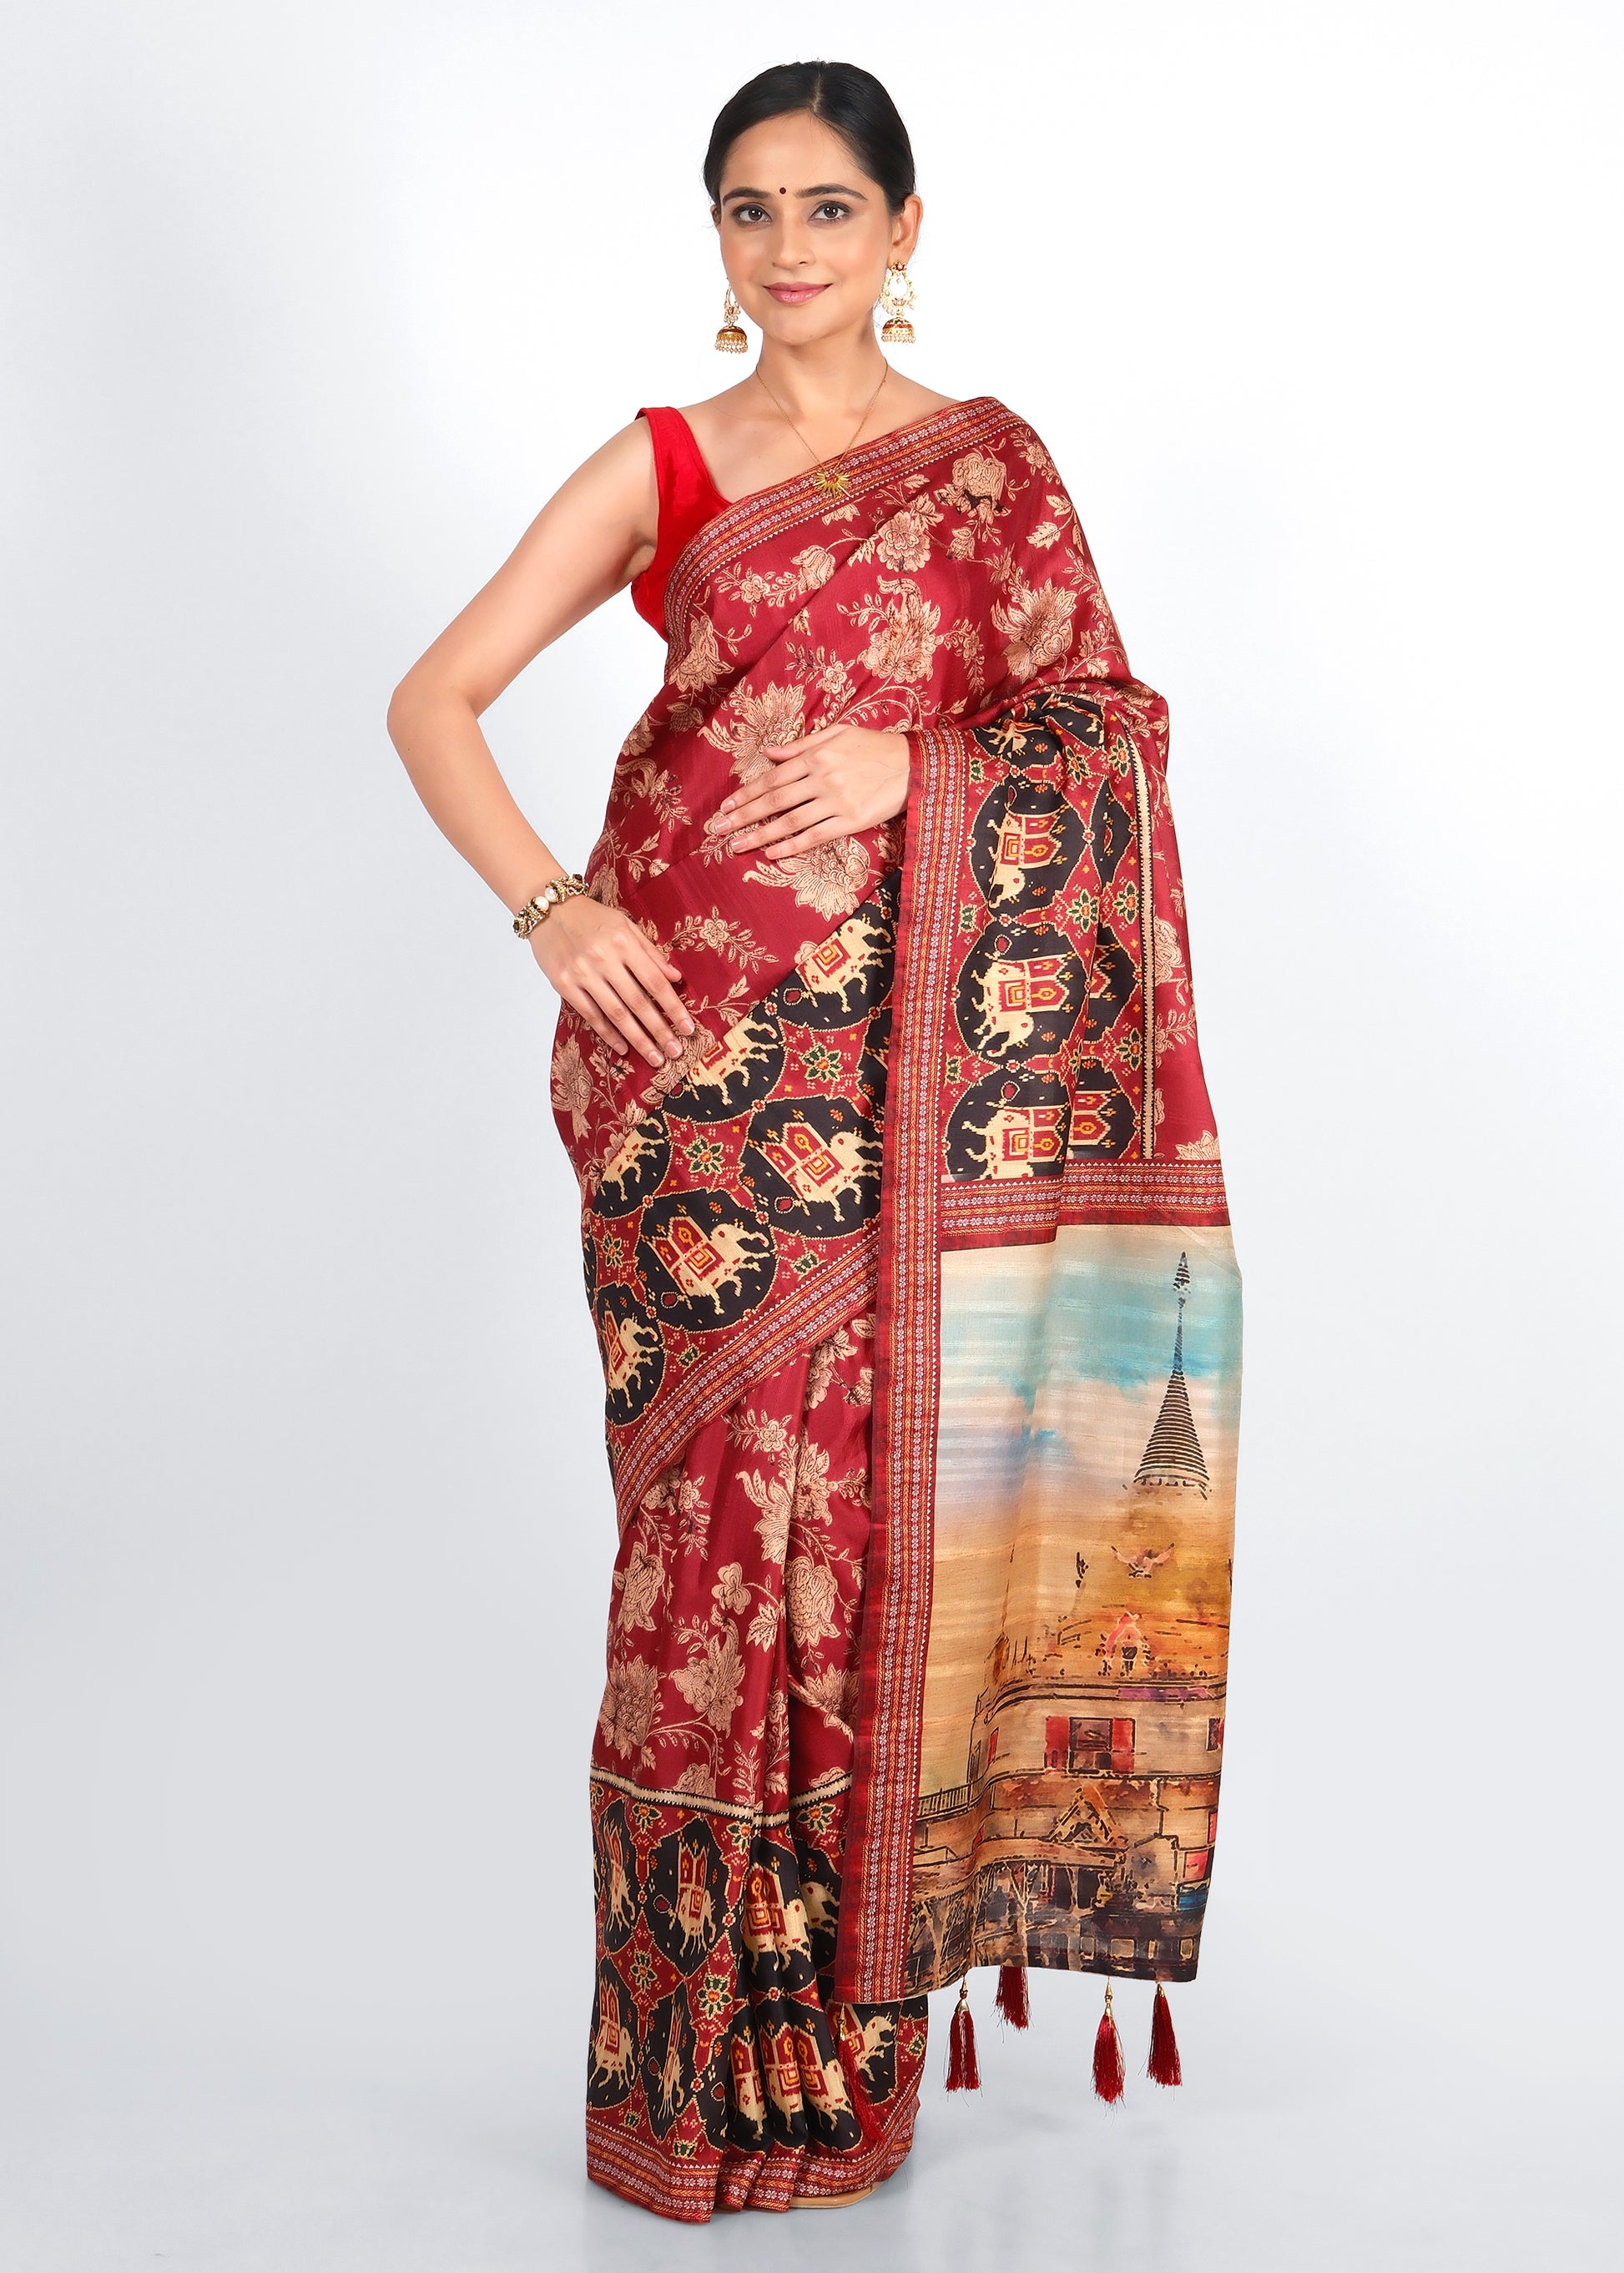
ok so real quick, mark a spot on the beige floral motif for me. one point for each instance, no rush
(763, 1432)
(699, 1779)
(812, 1485)
(1170, 961)
(902, 637)
(722, 936)
(830, 879)
(822, 1363)
(809, 1595)
(681, 1497)
(640, 737)
(835, 678)
(773, 1497)
(816, 566)
(730, 1591)
(976, 486)
(641, 1585)
(1204, 1147)
(701, 664)
(775, 1730)
(712, 1681)
(904, 541)
(749, 721)
(965, 640)
(627, 1713)
(1037, 622)
(572, 1086)
(833, 1694)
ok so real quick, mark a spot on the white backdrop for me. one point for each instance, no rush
(307, 1529)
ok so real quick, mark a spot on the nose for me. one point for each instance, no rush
(792, 247)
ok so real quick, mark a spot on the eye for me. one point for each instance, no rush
(750, 212)
(831, 207)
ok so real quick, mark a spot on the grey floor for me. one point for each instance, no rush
(1357, 2117)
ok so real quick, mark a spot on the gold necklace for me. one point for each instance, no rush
(829, 473)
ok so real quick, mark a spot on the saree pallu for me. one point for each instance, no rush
(921, 1330)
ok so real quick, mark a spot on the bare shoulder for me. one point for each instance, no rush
(616, 482)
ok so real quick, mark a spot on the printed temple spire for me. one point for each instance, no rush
(1173, 1454)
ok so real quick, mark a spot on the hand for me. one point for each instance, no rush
(829, 783)
(614, 976)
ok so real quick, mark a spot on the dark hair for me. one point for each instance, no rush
(844, 97)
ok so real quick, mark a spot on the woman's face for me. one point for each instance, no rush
(806, 235)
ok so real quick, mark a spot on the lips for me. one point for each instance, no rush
(791, 295)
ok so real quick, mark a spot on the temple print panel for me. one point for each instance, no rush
(1074, 1687)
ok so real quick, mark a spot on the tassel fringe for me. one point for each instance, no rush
(963, 2075)
(1162, 2066)
(1013, 1996)
(1108, 2074)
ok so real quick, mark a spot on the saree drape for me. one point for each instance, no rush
(921, 1331)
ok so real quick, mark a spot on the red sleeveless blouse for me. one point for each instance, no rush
(687, 498)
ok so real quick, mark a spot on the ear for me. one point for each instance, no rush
(905, 228)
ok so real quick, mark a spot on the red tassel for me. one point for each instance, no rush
(1108, 2074)
(963, 2075)
(1162, 2066)
(1013, 1996)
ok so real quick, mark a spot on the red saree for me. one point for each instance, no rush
(921, 1328)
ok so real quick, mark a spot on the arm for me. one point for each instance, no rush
(586, 544)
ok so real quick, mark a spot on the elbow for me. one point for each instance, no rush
(395, 716)
(398, 716)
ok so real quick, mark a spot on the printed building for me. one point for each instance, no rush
(1091, 1780)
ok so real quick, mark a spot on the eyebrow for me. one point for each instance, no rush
(822, 190)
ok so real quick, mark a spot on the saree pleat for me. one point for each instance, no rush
(716, 2036)
(920, 1324)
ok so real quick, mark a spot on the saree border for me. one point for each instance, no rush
(1147, 949)
(732, 1811)
(1089, 1191)
(768, 511)
(692, 2192)
(877, 1868)
(809, 1314)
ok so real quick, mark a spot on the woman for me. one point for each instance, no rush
(904, 1224)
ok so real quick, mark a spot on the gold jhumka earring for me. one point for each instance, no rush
(731, 339)
(896, 299)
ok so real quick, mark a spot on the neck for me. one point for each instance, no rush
(825, 379)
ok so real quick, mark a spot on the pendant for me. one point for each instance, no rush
(831, 480)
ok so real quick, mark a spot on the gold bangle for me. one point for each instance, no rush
(550, 896)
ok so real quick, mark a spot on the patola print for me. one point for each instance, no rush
(920, 1324)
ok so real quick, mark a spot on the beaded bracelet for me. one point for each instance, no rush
(550, 896)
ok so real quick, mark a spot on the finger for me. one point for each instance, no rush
(765, 785)
(625, 1019)
(783, 825)
(636, 994)
(825, 833)
(776, 750)
(670, 1004)
(796, 799)
(783, 800)
(589, 1013)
